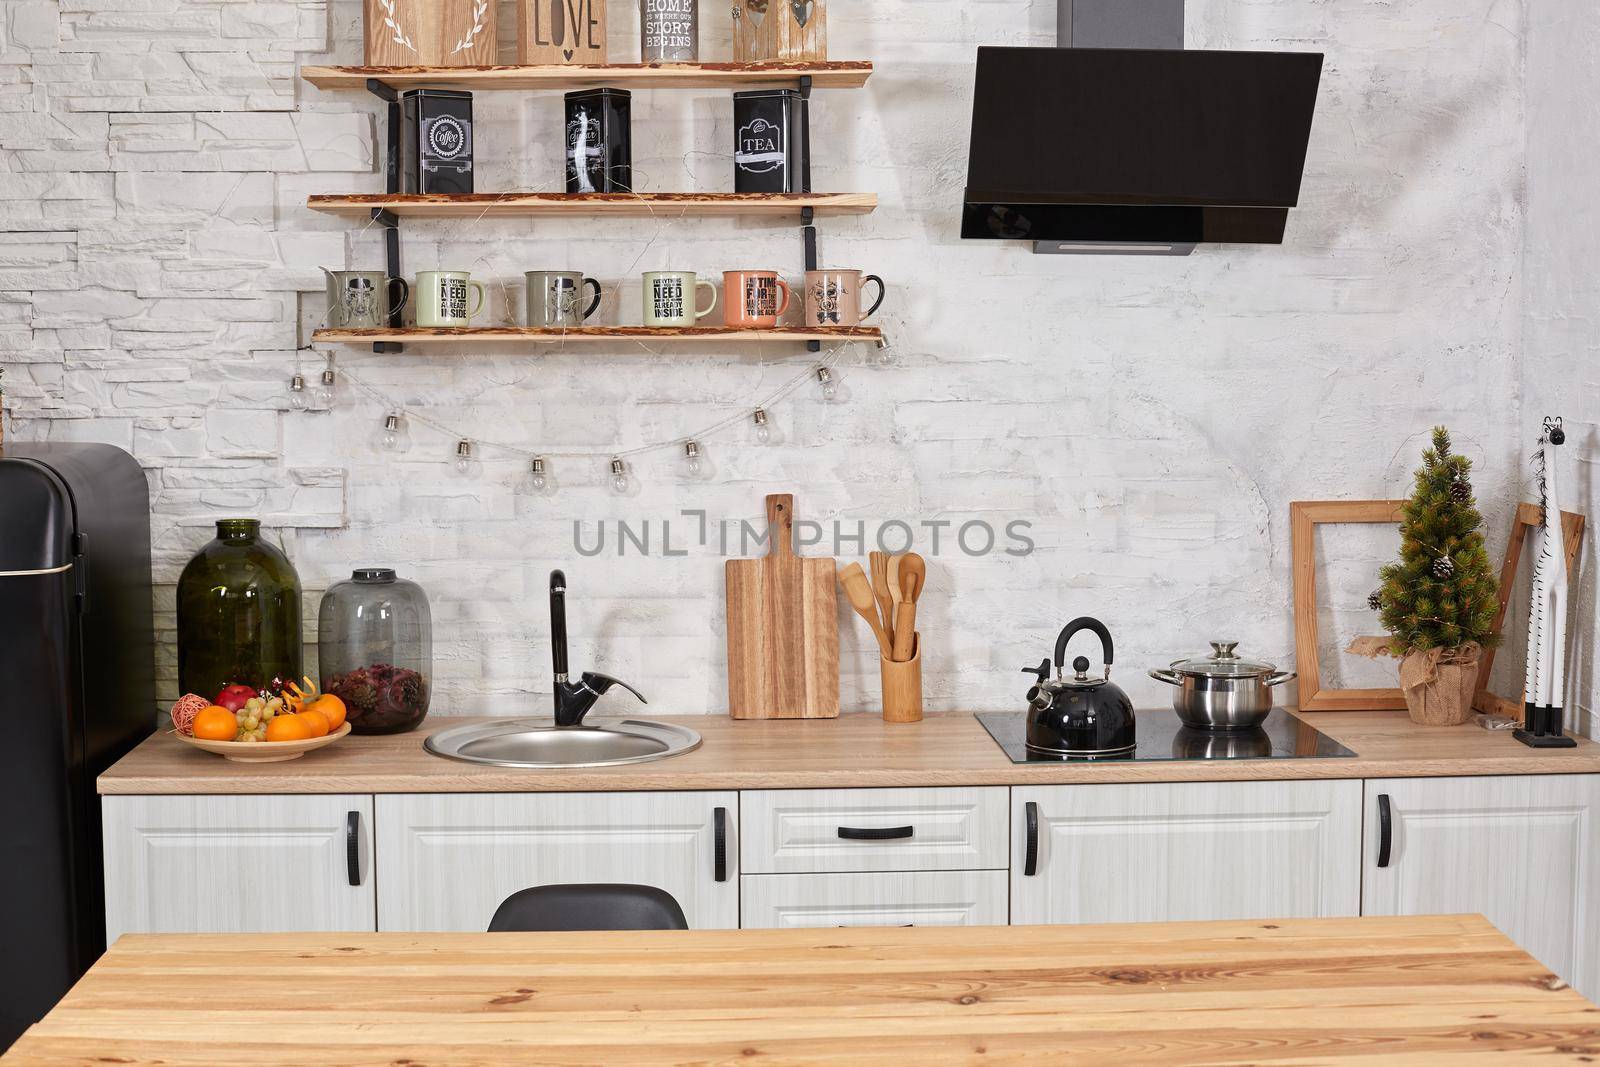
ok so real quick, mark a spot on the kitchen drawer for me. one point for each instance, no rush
(812, 831)
(915, 898)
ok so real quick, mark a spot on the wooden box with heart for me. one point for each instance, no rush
(789, 30)
(429, 33)
(561, 31)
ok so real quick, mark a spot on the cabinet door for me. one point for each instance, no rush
(446, 861)
(238, 864)
(1521, 851)
(1158, 852)
(918, 898)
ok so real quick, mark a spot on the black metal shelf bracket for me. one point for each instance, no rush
(391, 265)
(808, 229)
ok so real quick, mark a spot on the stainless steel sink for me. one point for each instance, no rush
(532, 743)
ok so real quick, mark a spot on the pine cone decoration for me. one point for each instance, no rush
(1460, 492)
(1444, 566)
(1374, 601)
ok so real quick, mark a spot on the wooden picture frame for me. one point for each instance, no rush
(1529, 517)
(1304, 518)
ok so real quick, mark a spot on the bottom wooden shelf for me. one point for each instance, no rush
(420, 335)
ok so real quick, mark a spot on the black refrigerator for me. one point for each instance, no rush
(77, 691)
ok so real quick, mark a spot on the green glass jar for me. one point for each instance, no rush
(238, 614)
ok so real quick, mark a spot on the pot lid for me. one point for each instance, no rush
(1223, 663)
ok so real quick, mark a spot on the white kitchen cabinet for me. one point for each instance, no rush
(447, 860)
(805, 831)
(1521, 851)
(915, 898)
(227, 864)
(1156, 852)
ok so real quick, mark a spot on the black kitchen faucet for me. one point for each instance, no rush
(573, 699)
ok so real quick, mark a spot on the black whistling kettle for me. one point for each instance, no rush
(1079, 716)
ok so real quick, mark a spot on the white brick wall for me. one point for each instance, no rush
(1151, 417)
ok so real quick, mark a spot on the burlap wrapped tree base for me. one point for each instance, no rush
(1439, 684)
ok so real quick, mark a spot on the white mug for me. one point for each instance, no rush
(440, 297)
(669, 298)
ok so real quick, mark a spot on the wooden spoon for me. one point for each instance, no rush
(910, 572)
(858, 590)
(879, 562)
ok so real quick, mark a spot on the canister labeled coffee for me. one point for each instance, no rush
(436, 141)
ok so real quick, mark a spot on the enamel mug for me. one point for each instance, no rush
(753, 298)
(555, 298)
(359, 299)
(833, 297)
(670, 298)
(441, 298)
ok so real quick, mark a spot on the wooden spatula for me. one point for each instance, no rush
(858, 590)
(910, 571)
(879, 563)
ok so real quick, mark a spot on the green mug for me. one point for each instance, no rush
(440, 297)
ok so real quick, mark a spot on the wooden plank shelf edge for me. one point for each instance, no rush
(540, 335)
(823, 75)
(667, 205)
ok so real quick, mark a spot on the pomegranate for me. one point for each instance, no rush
(233, 697)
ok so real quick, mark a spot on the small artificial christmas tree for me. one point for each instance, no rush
(1441, 592)
(1438, 601)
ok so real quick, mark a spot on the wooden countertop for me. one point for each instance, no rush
(853, 750)
(1434, 989)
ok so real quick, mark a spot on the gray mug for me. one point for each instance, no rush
(359, 299)
(555, 298)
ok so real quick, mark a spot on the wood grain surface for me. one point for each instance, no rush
(828, 75)
(624, 205)
(1433, 989)
(783, 628)
(949, 748)
(433, 33)
(414, 335)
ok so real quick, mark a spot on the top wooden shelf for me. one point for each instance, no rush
(826, 75)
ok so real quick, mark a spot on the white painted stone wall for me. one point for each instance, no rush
(1152, 418)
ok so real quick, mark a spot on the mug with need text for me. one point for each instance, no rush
(753, 298)
(833, 297)
(441, 298)
(670, 298)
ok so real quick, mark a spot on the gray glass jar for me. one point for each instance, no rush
(375, 650)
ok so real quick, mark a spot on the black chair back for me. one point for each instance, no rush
(588, 907)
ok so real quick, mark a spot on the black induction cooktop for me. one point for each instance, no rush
(1161, 736)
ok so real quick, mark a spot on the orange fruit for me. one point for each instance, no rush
(331, 707)
(215, 723)
(317, 722)
(288, 728)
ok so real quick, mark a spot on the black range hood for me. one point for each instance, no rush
(1137, 150)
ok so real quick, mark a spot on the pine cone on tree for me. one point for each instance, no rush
(1374, 600)
(1443, 567)
(1460, 491)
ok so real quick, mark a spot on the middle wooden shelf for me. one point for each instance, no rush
(414, 335)
(665, 205)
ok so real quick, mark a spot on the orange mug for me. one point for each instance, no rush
(753, 298)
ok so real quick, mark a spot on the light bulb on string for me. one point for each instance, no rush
(829, 384)
(883, 356)
(765, 433)
(298, 400)
(540, 480)
(395, 435)
(326, 388)
(467, 464)
(621, 484)
(696, 464)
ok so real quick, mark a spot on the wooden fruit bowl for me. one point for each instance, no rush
(265, 751)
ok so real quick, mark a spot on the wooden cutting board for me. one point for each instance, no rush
(783, 628)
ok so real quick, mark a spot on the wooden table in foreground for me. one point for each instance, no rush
(1373, 990)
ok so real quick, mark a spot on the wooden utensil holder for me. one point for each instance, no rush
(902, 686)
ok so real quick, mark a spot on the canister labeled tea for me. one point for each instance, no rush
(769, 151)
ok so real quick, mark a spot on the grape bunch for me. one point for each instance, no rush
(254, 716)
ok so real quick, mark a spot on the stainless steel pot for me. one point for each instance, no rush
(1221, 691)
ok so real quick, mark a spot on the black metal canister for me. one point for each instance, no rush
(436, 141)
(769, 149)
(599, 143)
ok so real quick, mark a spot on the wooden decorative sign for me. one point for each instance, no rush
(429, 33)
(561, 31)
(789, 30)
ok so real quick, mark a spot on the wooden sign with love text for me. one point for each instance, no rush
(561, 31)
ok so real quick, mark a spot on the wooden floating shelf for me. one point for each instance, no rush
(420, 335)
(844, 75)
(623, 205)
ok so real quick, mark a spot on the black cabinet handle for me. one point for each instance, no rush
(719, 824)
(876, 833)
(352, 847)
(1385, 829)
(1030, 862)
